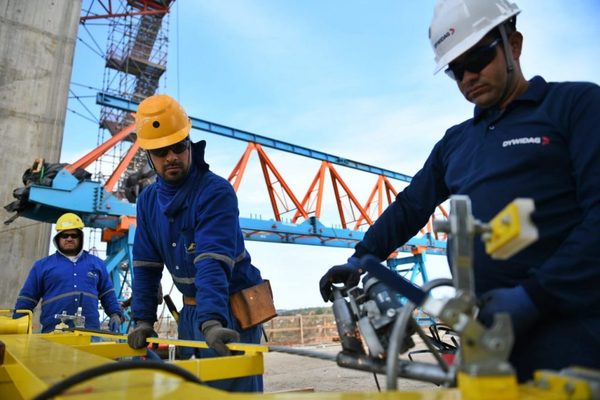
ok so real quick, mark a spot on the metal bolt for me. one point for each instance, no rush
(543, 383)
(569, 387)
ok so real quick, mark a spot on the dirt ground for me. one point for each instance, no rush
(287, 372)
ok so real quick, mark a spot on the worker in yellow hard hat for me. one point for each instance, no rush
(188, 221)
(526, 139)
(70, 279)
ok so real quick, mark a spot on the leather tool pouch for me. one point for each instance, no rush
(254, 305)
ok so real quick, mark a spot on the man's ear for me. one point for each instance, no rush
(515, 41)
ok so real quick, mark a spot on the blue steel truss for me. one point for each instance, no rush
(101, 209)
(121, 103)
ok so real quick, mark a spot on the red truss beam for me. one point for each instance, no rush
(143, 7)
(96, 153)
(277, 197)
(116, 175)
(381, 196)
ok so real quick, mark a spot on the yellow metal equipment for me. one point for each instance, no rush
(33, 363)
(72, 365)
(8, 325)
(511, 230)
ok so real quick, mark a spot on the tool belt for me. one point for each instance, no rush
(254, 305)
(251, 306)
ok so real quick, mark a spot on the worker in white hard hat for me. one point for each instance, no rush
(188, 222)
(69, 279)
(526, 139)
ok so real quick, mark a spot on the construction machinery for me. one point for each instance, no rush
(373, 321)
(53, 189)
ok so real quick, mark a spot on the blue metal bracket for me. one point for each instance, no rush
(123, 104)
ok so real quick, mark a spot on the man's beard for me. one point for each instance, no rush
(175, 177)
(71, 252)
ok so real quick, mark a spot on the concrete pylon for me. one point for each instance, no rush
(36, 58)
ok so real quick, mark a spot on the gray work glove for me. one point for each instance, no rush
(216, 336)
(137, 337)
(114, 323)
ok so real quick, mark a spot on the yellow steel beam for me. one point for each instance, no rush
(245, 347)
(210, 369)
(111, 350)
(33, 363)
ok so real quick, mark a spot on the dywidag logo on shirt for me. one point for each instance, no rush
(541, 140)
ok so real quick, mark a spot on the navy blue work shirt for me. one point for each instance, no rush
(545, 146)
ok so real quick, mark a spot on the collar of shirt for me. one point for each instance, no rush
(72, 258)
(535, 92)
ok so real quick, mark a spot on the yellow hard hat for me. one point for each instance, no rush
(69, 221)
(160, 122)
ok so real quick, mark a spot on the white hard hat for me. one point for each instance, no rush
(457, 25)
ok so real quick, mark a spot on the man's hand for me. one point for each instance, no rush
(514, 301)
(114, 323)
(216, 336)
(137, 338)
(348, 274)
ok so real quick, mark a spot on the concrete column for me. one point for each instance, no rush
(36, 58)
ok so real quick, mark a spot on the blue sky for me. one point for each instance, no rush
(350, 78)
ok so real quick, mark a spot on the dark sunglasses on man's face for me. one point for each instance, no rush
(69, 235)
(176, 148)
(474, 62)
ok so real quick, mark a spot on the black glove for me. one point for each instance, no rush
(216, 336)
(514, 301)
(137, 338)
(348, 274)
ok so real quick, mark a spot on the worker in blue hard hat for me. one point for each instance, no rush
(526, 139)
(188, 221)
(70, 279)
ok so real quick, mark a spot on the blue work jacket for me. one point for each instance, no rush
(546, 146)
(193, 229)
(60, 283)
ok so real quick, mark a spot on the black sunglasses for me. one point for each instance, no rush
(176, 148)
(69, 235)
(474, 62)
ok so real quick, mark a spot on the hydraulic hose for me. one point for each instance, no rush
(104, 369)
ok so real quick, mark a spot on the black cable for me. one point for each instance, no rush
(82, 116)
(264, 332)
(100, 52)
(82, 104)
(94, 372)
(377, 382)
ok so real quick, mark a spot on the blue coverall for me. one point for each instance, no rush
(60, 282)
(546, 146)
(193, 229)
